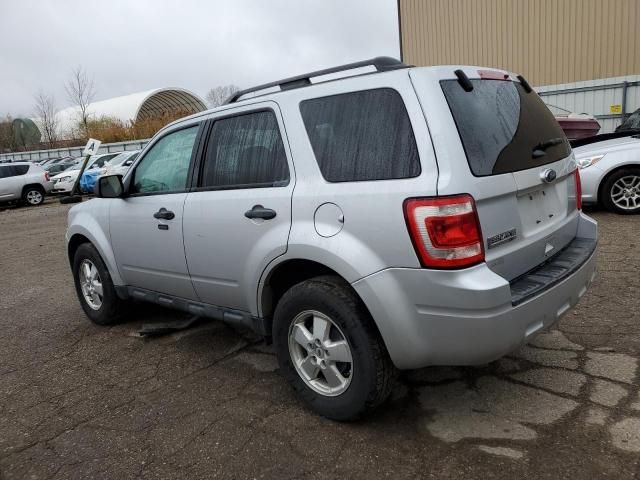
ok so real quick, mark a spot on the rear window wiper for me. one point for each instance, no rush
(540, 149)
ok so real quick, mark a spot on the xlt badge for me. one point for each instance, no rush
(501, 238)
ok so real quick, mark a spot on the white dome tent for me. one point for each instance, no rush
(135, 107)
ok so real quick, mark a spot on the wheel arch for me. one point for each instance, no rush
(282, 276)
(94, 235)
(74, 243)
(37, 186)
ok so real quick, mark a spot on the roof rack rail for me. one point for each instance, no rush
(381, 64)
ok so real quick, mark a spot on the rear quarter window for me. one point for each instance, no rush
(359, 136)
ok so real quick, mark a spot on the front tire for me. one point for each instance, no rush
(329, 349)
(95, 288)
(621, 191)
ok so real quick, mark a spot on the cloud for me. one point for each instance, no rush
(131, 46)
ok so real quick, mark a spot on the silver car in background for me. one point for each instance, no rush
(610, 173)
(24, 182)
(395, 219)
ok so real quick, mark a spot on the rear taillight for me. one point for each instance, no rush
(445, 231)
(46, 176)
(576, 174)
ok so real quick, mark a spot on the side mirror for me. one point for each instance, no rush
(109, 186)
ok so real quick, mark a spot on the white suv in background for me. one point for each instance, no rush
(24, 181)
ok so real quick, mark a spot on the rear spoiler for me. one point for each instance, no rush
(579, 142)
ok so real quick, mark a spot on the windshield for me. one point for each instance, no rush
(631, 123)
(123, 157)
(503, 128)
(71, 166)
(118, 160)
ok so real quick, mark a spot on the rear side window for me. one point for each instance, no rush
(503, 128)
(13, 170)
(360, 136)
(245, 151)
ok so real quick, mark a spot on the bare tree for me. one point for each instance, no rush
(7, 134)
(81, 92)
(218, 95)
(47, 118)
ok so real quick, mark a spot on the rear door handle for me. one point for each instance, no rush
(258, 211)
(164, 214)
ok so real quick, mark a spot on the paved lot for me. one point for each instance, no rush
(81, 401)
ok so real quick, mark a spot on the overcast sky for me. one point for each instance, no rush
(130, 46)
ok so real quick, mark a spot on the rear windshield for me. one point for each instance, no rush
(503, 128)
(631, 123)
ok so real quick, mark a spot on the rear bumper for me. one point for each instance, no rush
(467, 317)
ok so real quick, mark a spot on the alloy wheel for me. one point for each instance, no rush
(320, 353)
(34, 197)
(625, 192)
(91, 284)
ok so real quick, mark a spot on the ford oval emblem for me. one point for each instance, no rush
(548, 175)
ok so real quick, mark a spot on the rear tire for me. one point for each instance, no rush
(33, 195)
(95, 288)
(621, 191)
(316, 363)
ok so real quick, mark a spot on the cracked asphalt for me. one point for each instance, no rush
(82, 401)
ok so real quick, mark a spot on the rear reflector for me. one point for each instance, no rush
(578, 189)
(445, 231)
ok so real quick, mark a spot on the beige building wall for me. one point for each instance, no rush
(548, 41)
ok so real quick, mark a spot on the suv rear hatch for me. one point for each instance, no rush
(495, 139)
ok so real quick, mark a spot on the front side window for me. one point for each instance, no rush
(361, 136)
(165, 166)
(245, 151)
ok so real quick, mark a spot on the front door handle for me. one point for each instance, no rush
(164, 214)
(258, 211)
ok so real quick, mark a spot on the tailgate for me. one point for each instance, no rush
(530, 224)
(500, 143)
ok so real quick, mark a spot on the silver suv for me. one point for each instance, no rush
(391, 219)
(24, 182)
